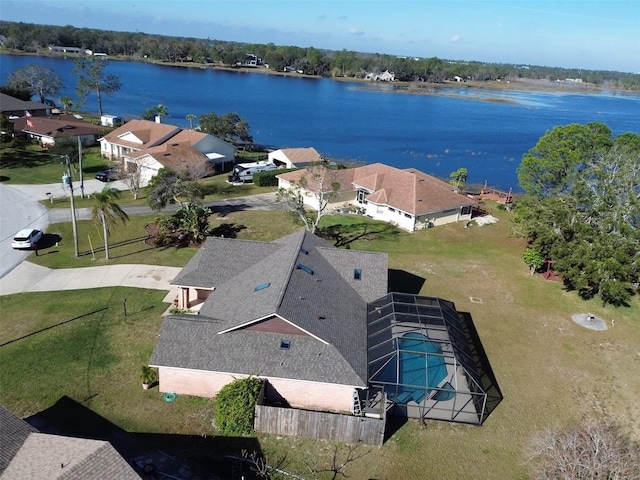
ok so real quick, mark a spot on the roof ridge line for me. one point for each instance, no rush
(294, 259)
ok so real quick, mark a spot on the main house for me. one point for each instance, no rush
(318, 325)
(290, 311)
(149, 146)
(407, 198)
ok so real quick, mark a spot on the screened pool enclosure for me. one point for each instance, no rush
(425, 360)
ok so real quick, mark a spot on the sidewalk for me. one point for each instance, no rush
(28, 277)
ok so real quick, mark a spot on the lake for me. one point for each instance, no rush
(485, 131)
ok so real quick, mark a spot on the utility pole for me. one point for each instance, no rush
(66, 180)
(80, 163)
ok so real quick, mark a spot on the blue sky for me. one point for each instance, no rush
(596, 34)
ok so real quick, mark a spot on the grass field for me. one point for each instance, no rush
(552, 372)
(32, 164)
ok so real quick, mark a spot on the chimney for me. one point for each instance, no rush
(157, 118)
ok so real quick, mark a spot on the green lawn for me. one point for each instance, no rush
(552, 372)
(32, 165)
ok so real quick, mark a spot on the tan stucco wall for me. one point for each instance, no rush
(298, 393)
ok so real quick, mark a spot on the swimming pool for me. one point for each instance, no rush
(418, 368)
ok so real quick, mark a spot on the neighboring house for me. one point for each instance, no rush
(385, 76)
(149, 146)
(317, 325)
(46, 130)
(14, 107)
(295, 157)
(407, 198)
(26, 453)
(292, 311)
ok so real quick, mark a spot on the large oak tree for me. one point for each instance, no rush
(38, 80)
(582, 208)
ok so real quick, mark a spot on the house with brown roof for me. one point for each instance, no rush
(295, 157)
(409, 199)
(150, 146)
(46, 130)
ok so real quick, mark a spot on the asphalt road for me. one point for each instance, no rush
(18, 210)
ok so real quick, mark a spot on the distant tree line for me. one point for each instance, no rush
(32, 38)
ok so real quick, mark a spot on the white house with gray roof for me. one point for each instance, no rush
(292, 312)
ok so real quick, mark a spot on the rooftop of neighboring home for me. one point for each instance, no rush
(174, 156)
(299, 285)
(26, 453)
(57, 126)
(302, 156)
(141, 134)
(408, 190)
(14, 106)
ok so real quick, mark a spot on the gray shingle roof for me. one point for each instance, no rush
(46, 457)
(26, 453)
(329, 304)
(13, 433)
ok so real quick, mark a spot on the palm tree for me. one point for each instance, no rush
(107, 211)
(191, 117)
(67, 103)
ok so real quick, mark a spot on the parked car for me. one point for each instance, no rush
(26, 238)
(108, 175)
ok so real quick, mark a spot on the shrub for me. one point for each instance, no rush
(597, 450)
(235, 406)
(268, 179)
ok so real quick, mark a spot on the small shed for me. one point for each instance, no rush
(110, 120)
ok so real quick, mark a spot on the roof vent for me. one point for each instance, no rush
(262, 286)
(304, 268)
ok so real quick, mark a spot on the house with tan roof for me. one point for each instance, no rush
(27, 453)
(407, 198)
(150, 146)
(295, 157)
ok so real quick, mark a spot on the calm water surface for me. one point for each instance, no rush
(436, 134)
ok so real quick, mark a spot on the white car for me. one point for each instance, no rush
(26, 238)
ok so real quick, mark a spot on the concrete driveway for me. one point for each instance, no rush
(29, 277)
(18, 210)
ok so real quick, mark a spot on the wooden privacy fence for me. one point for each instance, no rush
(319, 425)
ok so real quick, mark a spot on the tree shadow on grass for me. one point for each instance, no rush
(18, 158)
(344, 235)
(227, 230)
(171, 454)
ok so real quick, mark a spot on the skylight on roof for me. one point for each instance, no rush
(262, 286)
(304, 268)
(304, 251)
(285, 344)
(357, 273)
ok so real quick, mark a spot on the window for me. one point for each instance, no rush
(466, 210)
(357, 273)
(285, 344)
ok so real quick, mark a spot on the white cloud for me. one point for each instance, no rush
(456, 38)
(355, 31)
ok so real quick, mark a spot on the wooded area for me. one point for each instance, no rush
(32, 38)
